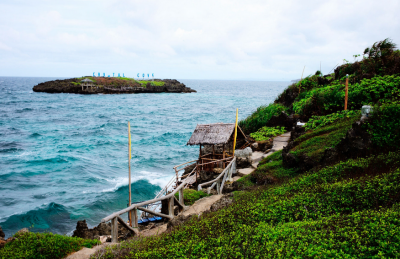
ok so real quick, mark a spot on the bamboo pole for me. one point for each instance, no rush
(236, 124)
(346, 93)
(129, 159)
(301, 79)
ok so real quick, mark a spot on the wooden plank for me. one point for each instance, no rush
(134, 218)
(171, 206)
(155, 213)
(124, 224)
(114, 230)
(178, 203)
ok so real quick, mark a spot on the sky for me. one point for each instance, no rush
(208, 39)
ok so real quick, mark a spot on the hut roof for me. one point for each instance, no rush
(213, 134)
(86, 80)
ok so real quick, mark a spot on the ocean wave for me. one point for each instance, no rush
(48, 216)
(153, 178)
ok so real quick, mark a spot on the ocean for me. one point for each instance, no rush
(64, 157)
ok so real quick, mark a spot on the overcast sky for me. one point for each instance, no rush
(259, 40)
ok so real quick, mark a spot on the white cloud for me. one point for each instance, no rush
(269, 40)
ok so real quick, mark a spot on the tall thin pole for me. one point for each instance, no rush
(346, 94)
(236, 124)
(129, 159)
(301, 78)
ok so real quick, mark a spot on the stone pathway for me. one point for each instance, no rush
(278, 144)
(85, 252)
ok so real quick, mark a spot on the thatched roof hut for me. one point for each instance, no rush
(214, 134)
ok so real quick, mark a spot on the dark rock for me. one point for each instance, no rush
(2, 235)
(289, 159)
(2, 243)
(297, 131)
(73, 86)
(222, 203)
(177, 221)
(243, 162)
(83, 231)
(282, 120)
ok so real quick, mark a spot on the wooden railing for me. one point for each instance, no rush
(219, 182)
(168, 193)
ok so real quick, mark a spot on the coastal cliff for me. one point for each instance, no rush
(104, 85)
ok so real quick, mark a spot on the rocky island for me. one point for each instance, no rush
(111, 85)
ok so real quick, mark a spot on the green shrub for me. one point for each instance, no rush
(384, 125)
(261, 116)
(190, 196)
(316, 122)
(341, 211)
(266, 133)
(314, 143)
(43, 245)
(330, 99)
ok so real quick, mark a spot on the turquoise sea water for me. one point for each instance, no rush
(63, 157)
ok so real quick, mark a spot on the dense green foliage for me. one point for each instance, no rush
(316, 122)
(314, 143)
(384, 126)
(328, 99)
(351, 207)
(190, 196)
(260, 117)
(266, 133)
(381, 58)
(43, 245)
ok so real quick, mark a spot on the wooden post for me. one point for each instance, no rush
(114, 230)
(223, 155)
(234, 140)
(129, 159)
(219, 186)
(213, 152)
(181, 196)
(134, 217)
(346, 93)
(171, 206)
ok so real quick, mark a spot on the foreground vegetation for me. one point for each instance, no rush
(344, 208)
(43, 246)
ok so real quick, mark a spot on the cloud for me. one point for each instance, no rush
(268, 40)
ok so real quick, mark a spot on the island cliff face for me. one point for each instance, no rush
(112, 86)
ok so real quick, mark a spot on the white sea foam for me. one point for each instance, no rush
(152, 177)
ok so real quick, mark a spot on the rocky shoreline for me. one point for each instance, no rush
(112, 86)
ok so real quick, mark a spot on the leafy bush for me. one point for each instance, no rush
(329, 99)
(346, 210)
(43, 245)
(316, 122)
(384, 125)
(190, 196)
(260, 117)
(266, 133)
(381, 58)
(313, 144)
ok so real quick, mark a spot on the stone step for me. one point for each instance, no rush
(245, 171)
(257, 156)
(254, 165)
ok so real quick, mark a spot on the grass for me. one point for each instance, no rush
(43, 245)
(260, 117)
(347, 210)
(315, 142)
(190, 196)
